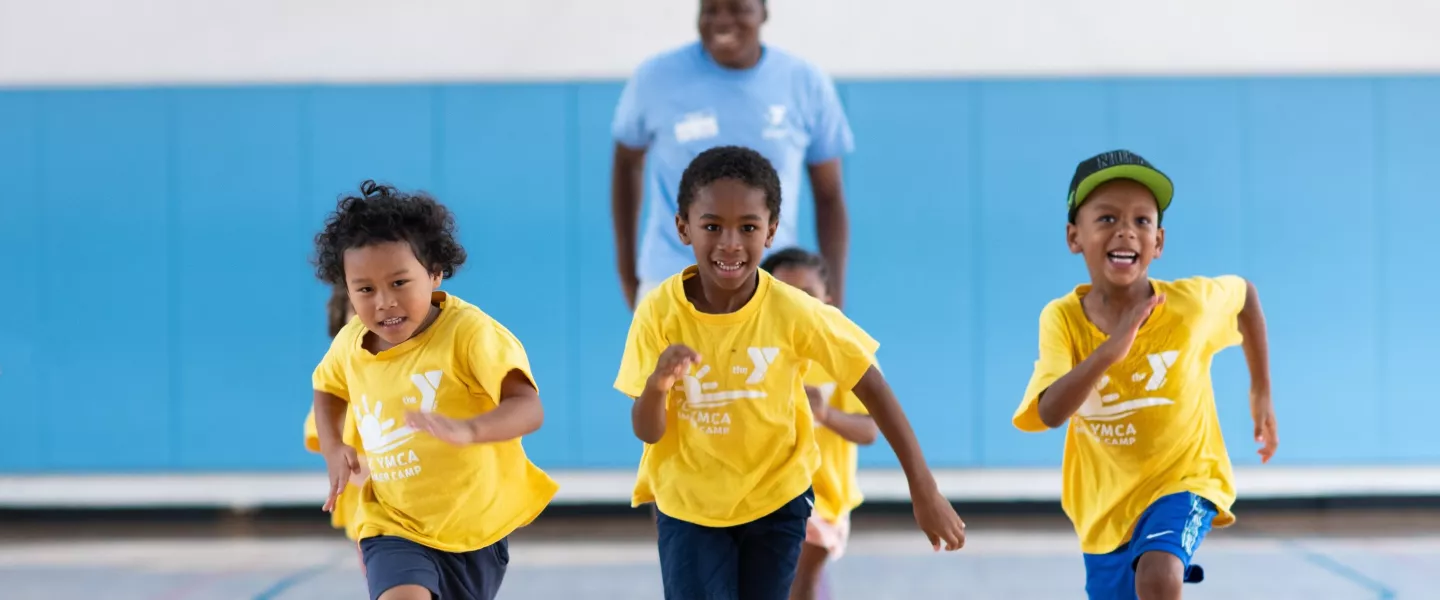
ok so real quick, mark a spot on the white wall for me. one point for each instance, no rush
(49, 42)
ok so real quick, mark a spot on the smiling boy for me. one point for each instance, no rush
(1126, 361)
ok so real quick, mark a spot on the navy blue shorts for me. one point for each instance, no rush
(754, 561)
(392, 561)
(1174, 524)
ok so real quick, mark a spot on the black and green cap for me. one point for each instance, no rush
(1117, 164)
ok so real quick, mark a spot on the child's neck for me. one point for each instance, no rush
(1104, 303)
(375, 344)
(712, 299)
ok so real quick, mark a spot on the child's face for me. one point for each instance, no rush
(730, 228)
(389, 289)
(1118, 231)
(805, 278)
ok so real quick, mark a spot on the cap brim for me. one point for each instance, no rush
(1158, 183)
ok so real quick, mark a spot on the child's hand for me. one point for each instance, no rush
(938, 520)
(674, 362)
(818, 407)
(1263, 412)
(358, 478)
(1129, 326)
(454, 431)
(341, 463)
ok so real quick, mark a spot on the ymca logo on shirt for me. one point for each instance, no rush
(775, 125)
(706, 407)
(380, 436)
(1102, 410)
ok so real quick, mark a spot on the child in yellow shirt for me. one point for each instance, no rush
(1125, 361)
(842, 424)
(440, 394)
(715, 361)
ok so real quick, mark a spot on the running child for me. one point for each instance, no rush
(1125, 360)
(337, 314)
(842, 424)
(441, 394)
(714, 362)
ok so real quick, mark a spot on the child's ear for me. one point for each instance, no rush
(1072, 238)
(770, 233)
(1159, 241)
(683, 228)
(437, 275)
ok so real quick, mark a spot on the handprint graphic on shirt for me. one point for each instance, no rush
(382, 436)
(378, 436)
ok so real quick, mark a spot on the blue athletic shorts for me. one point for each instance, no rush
(1174, 524)
(393, 561)
(753, 561)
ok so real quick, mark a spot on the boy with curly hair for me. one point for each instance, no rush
(441, 394)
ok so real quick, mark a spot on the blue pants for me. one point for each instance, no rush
(753, 561)
(1174, 524)
(393, 561)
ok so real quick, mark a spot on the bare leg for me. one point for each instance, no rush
(810, 574)
(406, 592)
(1159, 576)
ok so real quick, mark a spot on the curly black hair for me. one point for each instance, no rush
(796, 256)
(381, 214)
(730, 162)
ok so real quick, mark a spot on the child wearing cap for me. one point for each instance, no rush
(1125, 360)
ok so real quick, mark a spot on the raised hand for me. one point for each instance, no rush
(672, 365)
(1118, 346)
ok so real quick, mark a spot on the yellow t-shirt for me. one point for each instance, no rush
(737, 446)
(837, 486)
(1151, 428)
(453, 499)
(349, 499)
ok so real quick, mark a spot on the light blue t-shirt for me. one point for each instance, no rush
(681, 102)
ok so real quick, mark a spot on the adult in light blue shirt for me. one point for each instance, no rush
(726, 89)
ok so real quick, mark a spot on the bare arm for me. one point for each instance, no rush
(1064, 397)
(1251, 322)
(875, 393)
(832, 223)
(627, 181)
(856, 428)
(519, 412)
(342, 463)
(329, 420)
(1257, 348)
(647, 415)
(933, 512)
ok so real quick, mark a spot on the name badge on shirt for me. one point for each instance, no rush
(697, 126)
